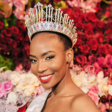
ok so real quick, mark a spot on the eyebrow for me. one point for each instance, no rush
(43, 54)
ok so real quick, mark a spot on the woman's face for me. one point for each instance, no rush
(48, 59)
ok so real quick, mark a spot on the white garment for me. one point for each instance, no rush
(37, 104)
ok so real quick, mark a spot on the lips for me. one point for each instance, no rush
(45, 78)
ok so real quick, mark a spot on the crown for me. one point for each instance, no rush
(38, 20)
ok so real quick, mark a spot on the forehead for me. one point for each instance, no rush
(43, 42)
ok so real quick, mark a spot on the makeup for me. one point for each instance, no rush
(45, 78)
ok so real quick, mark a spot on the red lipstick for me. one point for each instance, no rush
(45, 78)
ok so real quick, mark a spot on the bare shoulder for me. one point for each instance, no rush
(83, 103)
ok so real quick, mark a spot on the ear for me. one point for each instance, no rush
(69, 55)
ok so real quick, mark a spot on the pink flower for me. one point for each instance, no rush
(40, 90)
(101, 61)
(89, 69)
(19, 13)
(1, 93)
(20, 6)
(7, 87)
(94, 89)
(94, 97)
(108, 60)
(19, 68)
(18, 3)
(92, 58)
(103, 107)
(97, 67)
(88, 6)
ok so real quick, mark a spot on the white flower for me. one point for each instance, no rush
(110, 89)
(85, 89)
(15, 77)
(20, 88)
(12, 98)
(32, 79)
(29, 90)
(102, 83)
(100, 75)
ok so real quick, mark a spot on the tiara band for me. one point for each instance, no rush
(38, 20)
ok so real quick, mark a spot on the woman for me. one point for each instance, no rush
(51, 54)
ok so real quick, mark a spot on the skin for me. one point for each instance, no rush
(48, 56)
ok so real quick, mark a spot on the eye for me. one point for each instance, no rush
(50, 57)
(33, 60)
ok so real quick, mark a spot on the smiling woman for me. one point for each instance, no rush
(51, 53)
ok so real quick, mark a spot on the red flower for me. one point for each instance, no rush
(108, 60)
(68, 11)
(14, 30)
(21, 25)
(89, 32)
(15, 51)
(88, 26)
(8, 32)
(110, 49)
(98, 24)
(93, 44)
(78, 43)
(90, 17)
(106, 73)
(3, 40)
(2, 35)
(81, 59)
(108, 32)
(1, 25)
(19, 37)
(107, 14)
(103, 50)
(92, 58)
(14, 44)
(79, 25)
(85, 49)
(100, 38)
(109, 39)
(5, 49)
(27, 49)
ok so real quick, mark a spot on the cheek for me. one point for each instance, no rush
(33, 68)
(57, 64)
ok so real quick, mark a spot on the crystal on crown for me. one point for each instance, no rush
(38, 20)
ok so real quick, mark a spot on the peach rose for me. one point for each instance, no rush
(94, 97)
(94, 89)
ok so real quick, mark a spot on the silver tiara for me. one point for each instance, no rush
(38, 20)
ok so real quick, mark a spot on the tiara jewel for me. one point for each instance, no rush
(38, 20)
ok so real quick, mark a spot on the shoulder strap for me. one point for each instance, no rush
(38, 103)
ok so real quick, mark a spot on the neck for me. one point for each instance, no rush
(63, 88)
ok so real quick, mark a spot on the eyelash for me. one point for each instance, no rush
(33, 60)
(48, 58)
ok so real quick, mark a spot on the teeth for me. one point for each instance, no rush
(46, 77)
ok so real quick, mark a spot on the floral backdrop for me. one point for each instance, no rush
(92, 52)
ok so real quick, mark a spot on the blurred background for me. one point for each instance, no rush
(93, 19)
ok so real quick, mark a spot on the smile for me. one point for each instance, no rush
(45, 78)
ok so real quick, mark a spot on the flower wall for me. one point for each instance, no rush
(92, 52)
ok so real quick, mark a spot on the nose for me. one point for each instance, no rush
(41, 67)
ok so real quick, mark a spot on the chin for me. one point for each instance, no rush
(48, 85)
